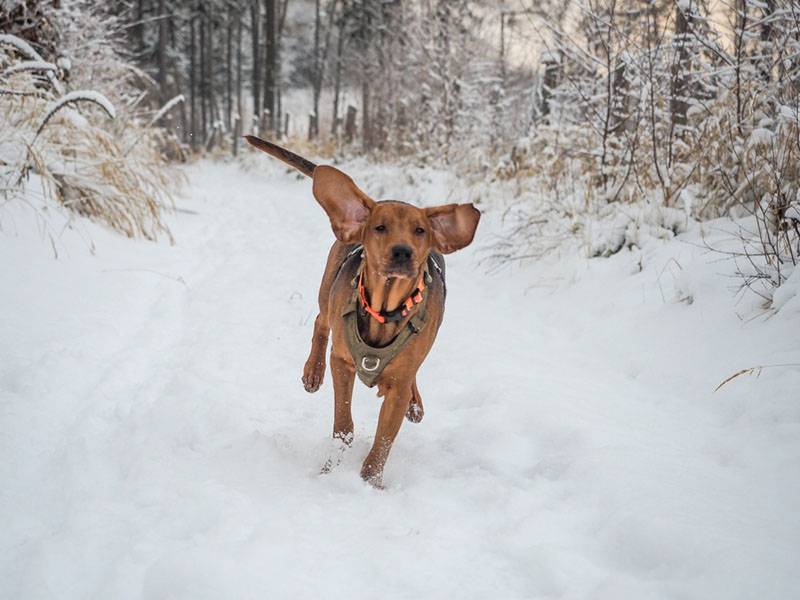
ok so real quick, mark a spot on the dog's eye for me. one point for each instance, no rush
(419, 231)
(380, 228)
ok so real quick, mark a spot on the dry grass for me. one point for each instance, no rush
(753, 371)
(112, 172)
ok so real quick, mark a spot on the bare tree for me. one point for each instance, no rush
(256, 62)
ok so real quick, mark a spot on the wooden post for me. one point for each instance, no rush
(552, 66)
(265, 120)
(237, 133)
(350, 124)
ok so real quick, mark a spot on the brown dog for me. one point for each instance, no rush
(382, 296)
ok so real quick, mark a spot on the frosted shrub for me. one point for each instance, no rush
(95, 156)
(656, 113)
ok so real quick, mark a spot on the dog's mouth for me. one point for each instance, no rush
(395, 271)
(398, 274)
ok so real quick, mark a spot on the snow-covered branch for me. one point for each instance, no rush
(73, 97)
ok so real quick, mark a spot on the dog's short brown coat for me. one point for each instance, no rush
(382, 228)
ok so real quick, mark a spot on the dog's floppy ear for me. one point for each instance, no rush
(453, 226)
(347, 206)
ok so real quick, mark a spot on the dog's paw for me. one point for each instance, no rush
(313, 374)
(415, 411)
(372, 474)
(375, 480)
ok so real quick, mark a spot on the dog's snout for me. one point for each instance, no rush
(401, 253)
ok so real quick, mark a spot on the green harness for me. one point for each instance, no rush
(369, 360)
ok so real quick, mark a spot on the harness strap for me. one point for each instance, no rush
(369, 360)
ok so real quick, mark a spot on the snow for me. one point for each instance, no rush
(82, 96)
(21, 46)
(787, 297)
(548, 56)
(761, 137)
(788, 113)
(157, 442)
(27, 50)
(167, 107)
(29, 65)
(76, 96)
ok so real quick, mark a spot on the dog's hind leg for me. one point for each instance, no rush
(314, 369)
(415, 410)
(395, 405)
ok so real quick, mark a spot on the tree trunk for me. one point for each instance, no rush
(256, 73)
(212, 110)
(366, 132)
(681, 67)
(740, 41)
(620, 106)
(237, 129)
(202, 80)
(163, 22)
(193, 82)
(270, 29)
(321, 56)
(229, 69)
(138, 28)
(316, 84)
(278, 66)
(337, 81)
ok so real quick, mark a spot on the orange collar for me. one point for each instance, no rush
(399, 313)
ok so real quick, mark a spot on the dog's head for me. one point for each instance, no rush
(397, 237)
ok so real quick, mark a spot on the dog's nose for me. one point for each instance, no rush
(401, 253)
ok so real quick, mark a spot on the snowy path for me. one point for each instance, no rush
(156, 441)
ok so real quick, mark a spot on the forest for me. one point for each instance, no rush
(600, 104)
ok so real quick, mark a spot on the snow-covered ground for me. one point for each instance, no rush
(156, 441)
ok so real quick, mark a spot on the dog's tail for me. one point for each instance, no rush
(306, 167)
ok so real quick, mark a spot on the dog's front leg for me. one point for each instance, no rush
(393, 409)
(314, 369)
(343, 375)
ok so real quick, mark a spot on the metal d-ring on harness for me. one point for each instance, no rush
(369, 360)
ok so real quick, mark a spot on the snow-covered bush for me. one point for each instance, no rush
(650, 109)
(72, 121)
